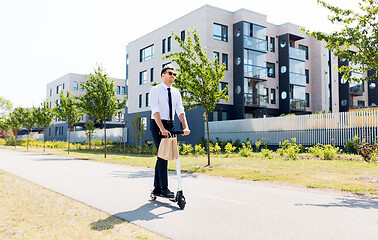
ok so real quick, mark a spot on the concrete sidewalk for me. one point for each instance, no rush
(216, 208)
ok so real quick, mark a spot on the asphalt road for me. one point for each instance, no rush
(216, 208)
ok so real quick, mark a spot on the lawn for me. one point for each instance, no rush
(28, 211)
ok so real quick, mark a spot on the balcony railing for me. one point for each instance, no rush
(297, 53)
(255, 44)
(298, 104)
(256, 72)
(255, 100)
(357, 90)
(298, 79)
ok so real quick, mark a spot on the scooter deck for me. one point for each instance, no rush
(154, 196)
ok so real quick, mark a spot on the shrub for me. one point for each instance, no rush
(316, 150)
(199, 150)
(367, 150)
(2, 141)
(215, 149)
(352, 145)
(258, 144)
(186, 149)
(267, 153)
(329, 152)
(229, 148)
(291, 149)
(246, 150)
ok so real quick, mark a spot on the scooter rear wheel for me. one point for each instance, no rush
(181, 202)
(153, 197)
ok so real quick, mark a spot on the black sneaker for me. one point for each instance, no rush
(156, 191)
(166, 193)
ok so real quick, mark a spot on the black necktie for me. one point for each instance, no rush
(170, 103)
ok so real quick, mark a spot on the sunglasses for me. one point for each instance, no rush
(172, 73)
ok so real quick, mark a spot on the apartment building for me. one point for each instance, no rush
(270, 69)
(72, 82)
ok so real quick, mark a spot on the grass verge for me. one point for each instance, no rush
(347, 173)
(28, 211)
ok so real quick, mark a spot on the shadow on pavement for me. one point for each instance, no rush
(143, 213)
(364, 203)
(146, 174)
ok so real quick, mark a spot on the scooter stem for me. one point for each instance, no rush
(178, 170)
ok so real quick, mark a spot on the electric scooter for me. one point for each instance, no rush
(179, 198)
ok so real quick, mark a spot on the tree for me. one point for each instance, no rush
(359, 32)
(99, 102)
(138, 126)
(89, 131)
(68, 112)
(44, 116)
(29, 122)
(5, 107)
(15, 121)
(198, 78)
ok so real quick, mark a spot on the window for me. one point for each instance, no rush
(225, 60)
(143, 120)
(183, 35)
(224, 116)
(307, 72)
(152, 74)
(146, 53)
(360, 103)
(307, 100)
(221, 86)
(147, 99)
(215, 116)
(50, 92)
(272, 44)
(216, 56)
(123, 90)
(169, 44)
(127, 67)
(56, 131)
(271, 69)
(273, 96)
(140, 100)
(142, 77)
(304, 48)
(220, 32)
(49, 131)
(76, 86)
(163, 46)
(118, 90)
(59, 88)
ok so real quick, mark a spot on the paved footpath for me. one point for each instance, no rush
(216, 208)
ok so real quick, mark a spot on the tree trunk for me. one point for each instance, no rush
(208, 138)
(27, 142)
(89, 139)
(105, 136)
(69, 138)
(44, 140)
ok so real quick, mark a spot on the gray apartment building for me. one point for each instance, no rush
(71, 82)
(271, 69)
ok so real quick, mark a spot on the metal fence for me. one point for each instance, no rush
(330, 128)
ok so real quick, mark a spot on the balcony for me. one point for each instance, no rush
(356, 90)
(298, 104)
(297, 53)
(255, 72)
(298, 79)
(255, 100)
(255, 44)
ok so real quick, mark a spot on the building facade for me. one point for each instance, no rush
(270, 69)
(72, 82)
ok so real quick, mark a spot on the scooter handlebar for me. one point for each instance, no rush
(176, 132)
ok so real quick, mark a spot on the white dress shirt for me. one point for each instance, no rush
(159, 101)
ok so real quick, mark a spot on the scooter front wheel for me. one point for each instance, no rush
(153, 197)
(181, 202)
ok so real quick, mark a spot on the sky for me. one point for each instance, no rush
(42, 40)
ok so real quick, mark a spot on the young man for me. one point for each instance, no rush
(165, 100)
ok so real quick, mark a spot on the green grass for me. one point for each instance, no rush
(347, 173)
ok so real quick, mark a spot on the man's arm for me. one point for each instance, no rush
(184, 124)
(158, 121)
